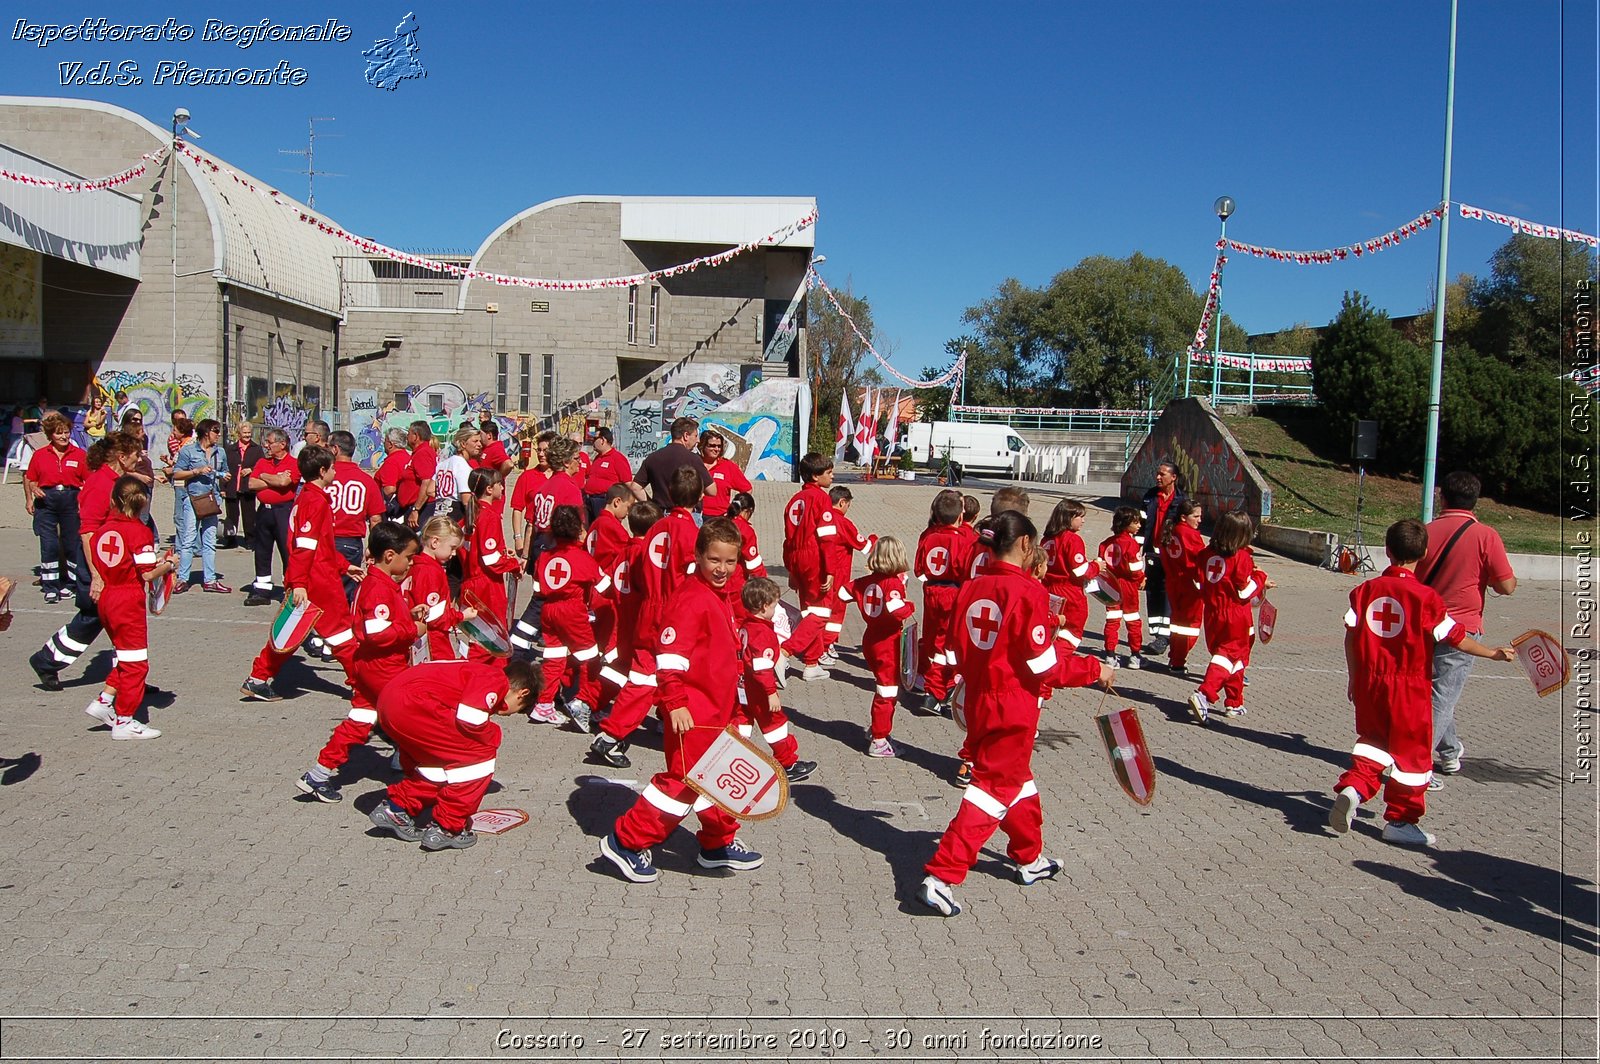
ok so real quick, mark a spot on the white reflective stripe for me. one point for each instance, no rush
(642, 679)
(1043, 662)
(611, 655)
(363, 716)
(1071, 639)
(886, 692)
(144, 557)
(556, 652)
(778, 734)
(1222, 662)
(1249, 589)
(826, 530)
(305, 543)
(753, 563)
(491, 558)
(376, 625)
(1350, 619)
(833, 626)
(672, 663)
(1157, 620)
(435, 612)
(1029, 790)
(1410, 779)
(701, 804)
(669, 806)
(588, 654)
(1372, 753)
(816, 611)
(1113, 615)
(1080, 570)
(434, 775)
(468, 773)
(338, 639)
(1130, 616)
(1179, 629)
(608, 673)
(761, 665)
(745, 730)
(262, 583)
(603, 586)
(844, 593)
(1136, 567)
(68, 643)
(984, 801)
(1444, 628)
(471, 714)
(524, 626)
(133, 655)
(520, 643)
(922, 579)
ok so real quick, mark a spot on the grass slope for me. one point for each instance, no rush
(1314, 486)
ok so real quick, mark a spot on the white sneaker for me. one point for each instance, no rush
(1199, 708)
(829, 658)
(544, 713)
(103, 711)
(134, 730)
(782, 670)
(1041, 868)
(1449, 766)
(880, 748)
(814, 672)
(1135, 661)
(1344, 809)
(936, 894)
(1405, 834)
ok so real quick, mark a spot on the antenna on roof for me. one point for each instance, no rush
(310, 152)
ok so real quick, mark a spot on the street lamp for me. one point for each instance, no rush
(1224, 208)
(180, 117)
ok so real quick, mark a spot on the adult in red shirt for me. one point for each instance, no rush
(1464, 557)
(494, 456)
(724, 472)
(357, 505)
(419, 474)
(274, 480)
(399, 491)
(55, 474)
(609, 466)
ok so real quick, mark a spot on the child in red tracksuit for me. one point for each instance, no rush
(488, 560)
(1123, 561)
(607, 544)
(438, 717)
(428, 586)
(1069, 569)
(315, 572)
(1002, 633)
(838, 558)
(941, 550)
(1229, 579)
(610, 746)
(740, 509)
(697, 655)
(389, 626)
(758, 689)
(1180, 554)
(123, 552)
(808, 520)
(881, 598)
(567, 578)
(1391, 629)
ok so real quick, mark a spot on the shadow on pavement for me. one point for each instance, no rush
(16, 769)
(1306, 812)
(904, 851)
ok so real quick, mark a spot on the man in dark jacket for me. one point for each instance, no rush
(1157, 503)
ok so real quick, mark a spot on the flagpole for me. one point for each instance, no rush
(1430, 460)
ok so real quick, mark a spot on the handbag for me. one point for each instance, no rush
(204, 506)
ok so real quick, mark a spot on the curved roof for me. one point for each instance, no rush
(256, 243)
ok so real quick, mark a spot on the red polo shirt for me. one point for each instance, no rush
(50, 469)
(605, 470)
(271, 466)
(394, 473)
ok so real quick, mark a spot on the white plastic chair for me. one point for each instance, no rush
(16, 458)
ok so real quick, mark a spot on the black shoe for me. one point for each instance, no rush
(800, 770)
(49, 680)
(1158, 646)
(256, 599)
(609, 751)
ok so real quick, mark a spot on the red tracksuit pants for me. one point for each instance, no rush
(938, 602)
(1002, 792)
(637, 698)
(1076, 610)
(569, 644)
(122, 612)
(334, 626)
(883, 658)
(809, 640)
(1125, 612)
(452, 779)
(1228, 639)
(1394, 734)
(1188, 611)
(369, 679)
(667, 799)
(774, 725)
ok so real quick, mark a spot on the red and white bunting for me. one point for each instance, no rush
(1520, 225)
(111, 181)
(1200, 334)
(1392, 238)
(1261, 364)
(951, 377)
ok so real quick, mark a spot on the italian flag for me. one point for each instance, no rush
(486, 632)
(1124, 739)
(293, 624)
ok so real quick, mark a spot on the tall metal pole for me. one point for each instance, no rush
(1224, 208)
(1430, 459)
(178, 117)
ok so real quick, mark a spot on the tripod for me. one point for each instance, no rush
(1353, 557)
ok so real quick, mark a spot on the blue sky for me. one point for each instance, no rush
(949, 146)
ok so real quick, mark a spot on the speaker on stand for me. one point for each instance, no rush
(1363, 449)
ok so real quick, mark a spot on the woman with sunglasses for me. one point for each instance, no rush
(726, 472)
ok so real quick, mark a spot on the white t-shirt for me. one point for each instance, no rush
(450, 483)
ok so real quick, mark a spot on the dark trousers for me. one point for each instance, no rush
(74, 638)
(354, 551)
(239, 518)
(272, 528)
(594, 504)
(55, 522)
(1156, 609)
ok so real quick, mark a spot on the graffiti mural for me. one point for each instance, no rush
(444, 405)
(696, 390)
(148, 387)
(362, 423)
(1212, 468)
(760, 426)
(638, 430)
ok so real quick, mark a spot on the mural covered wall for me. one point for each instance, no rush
(444, 405)
(149, 387)
(760, 428)
(1212, 467)
(697, 389)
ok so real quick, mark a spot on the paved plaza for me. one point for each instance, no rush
(180, 898)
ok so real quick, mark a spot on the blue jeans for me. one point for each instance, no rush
(191, 529)
(1450, 670)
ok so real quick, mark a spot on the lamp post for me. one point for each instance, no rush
(1224, 208)
(180, 117)
(1430, 460)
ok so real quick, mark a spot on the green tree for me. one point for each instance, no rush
(1364, 369)
(1525, 309)
(834, 354)
(1003, 356)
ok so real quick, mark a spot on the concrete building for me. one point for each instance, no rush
(187, 288)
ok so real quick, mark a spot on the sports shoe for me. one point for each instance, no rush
(609, 751)
(52, 597)
(217, 587)
(581, 715)
(1199, 708)
(880, 748)
(800, 770)
(544, 713)
(132, 729)
(1435, 784)
(782, 670)
(1135, 661)
(1404, 833)
(1244, 679)
(635, 865)
(1158, 645)
(103, 711)
(49, 679)
(256, 598)
(390, 817)
(260, 690)
(829, 659)
(814, 672)
(945, 708)
(938, 895)
(736, 855)
(322, 791)
(435, 838)
(963, 776)
(1345, 804)
(1234, 711)
(1449, 766)
(1041, 868)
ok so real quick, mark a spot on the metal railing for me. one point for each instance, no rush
(1240, 380)
(1058, 419)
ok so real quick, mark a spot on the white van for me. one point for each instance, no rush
(991, 448)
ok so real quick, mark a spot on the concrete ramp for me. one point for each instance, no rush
(1212, 467)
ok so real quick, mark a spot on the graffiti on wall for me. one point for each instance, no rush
(638, 430)
(760, 426)
(781, 322)
(696, 390)
(149, 389)
(443, 405)
(1212, 469)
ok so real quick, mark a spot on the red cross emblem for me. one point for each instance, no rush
(556, 574)
(488, 544)
(658, 549)
(983, 558)
(623, 587)
(796, 509)
(381, 611)
(594, 537)
(1111, 553)
(938, 561)
(873, 601)
(433, 598)
(667, 636)
(111, 549)
(1215, 568)
(490, 699)
(1175, 548)
(1385, 617)
(983, 623)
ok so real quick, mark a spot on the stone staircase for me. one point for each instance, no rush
(1109, 452)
